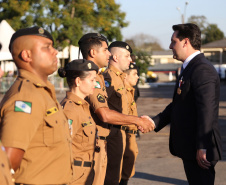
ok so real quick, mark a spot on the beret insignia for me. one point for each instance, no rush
(89, 65)
(127, 47)
(41, 30)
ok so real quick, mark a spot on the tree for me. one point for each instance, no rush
(67, 20)
(142, 61)
(212, 33)
(144, 42)
(199, 20)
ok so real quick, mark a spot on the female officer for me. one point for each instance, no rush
(80, 76)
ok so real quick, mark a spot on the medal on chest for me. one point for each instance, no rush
(179, 87)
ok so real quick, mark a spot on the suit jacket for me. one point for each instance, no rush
(193, 113)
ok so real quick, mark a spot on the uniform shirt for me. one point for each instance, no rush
(99, 100)
(33, 120)
(132, 104)
(5, 176)
(82, 127)
(116, 91)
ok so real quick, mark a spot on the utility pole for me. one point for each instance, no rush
(183, 14)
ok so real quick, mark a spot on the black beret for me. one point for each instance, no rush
(133, 66)
(120, 44)
(39, 31)
(77, 65)
(81, 65)
(93, 36)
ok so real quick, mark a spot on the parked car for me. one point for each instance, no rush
(151, 76)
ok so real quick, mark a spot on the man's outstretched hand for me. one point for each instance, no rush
(146, 125)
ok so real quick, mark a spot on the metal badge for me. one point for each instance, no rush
(179, 88)
(98, 34)
(127, 47)
(89, 65)
(131, 66)
(41, 30)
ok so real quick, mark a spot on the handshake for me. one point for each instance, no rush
(146, 124)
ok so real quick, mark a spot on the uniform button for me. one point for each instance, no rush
(56, 121)
(28, 80)
(91, 132)
(3, 165)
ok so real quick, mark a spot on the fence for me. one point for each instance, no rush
(6, 82)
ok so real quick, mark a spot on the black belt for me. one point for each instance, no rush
(131, 131)
(85, 163)
(102, 138)
(118, 126)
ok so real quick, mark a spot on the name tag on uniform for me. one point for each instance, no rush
(121, 88)
(85, 124)
(51, 111)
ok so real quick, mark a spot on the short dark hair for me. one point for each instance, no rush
(89, 44)
(89, 41)
(190, 31)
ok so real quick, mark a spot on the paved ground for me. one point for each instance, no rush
(155, 165)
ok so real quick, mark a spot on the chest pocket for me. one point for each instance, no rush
(118, 94)
(53, 130)
(88, 134)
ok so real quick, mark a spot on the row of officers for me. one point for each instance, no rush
(89, 138)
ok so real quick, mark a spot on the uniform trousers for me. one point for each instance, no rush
(198, 176)
(114, 153)
(129, 157)
(100, 163)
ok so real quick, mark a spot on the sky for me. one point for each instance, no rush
(156, 17)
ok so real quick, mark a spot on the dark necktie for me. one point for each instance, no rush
(181, 70)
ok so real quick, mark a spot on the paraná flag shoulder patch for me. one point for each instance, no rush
(70, 121)
(97, 85)
(23, 106)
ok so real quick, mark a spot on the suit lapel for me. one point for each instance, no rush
(185, 71)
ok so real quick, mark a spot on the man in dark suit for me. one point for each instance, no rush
(193, 113)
